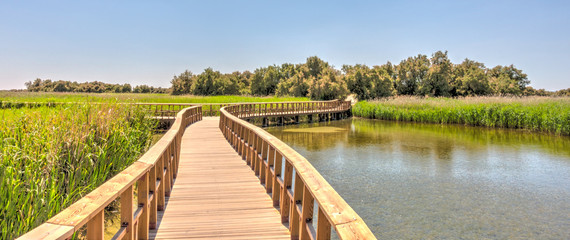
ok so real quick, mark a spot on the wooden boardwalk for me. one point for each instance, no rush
(216, 195)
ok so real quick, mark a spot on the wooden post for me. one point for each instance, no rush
(154, 201)
(142, 192)
(323, 226)
(159, 177)
(285, 200)
(127, 212)
(307, 213)
(263, 168)
(276, 187)
(96, 226)
(166, 172)
(268, 175)
(294, 215)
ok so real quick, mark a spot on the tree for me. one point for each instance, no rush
(369, 83)
(182, 84)
(507, 80)
(265, 80)
(470, 79)
(382, 81)
(438, 77)
(358, 80)
(204, 84)
(328, 86)
(411, 73)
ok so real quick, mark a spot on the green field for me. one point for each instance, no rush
(545, 114)
(53, 156)
(6, 96)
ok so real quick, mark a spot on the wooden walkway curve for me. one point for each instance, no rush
(216, 194)
(217, 178)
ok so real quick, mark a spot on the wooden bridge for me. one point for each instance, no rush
(218, 177)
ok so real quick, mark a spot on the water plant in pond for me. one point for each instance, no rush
(532, 113)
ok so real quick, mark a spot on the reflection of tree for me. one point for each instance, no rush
(450, 134)
(312, 141)
(419, 139)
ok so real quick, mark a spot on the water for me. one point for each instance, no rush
(428, 181)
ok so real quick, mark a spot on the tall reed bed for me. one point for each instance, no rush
(51, 157)
(6, 96)
(532, 113)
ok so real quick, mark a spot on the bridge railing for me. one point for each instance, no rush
(152, 176)
(293, 182)
(252, 110)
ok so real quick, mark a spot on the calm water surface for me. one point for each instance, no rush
(412, 181)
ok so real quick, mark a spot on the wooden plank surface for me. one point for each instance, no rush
(216, 195)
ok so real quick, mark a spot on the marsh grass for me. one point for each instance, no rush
(52, 156)
(6, 96)
(545, 114)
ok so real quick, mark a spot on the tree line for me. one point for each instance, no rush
(419, 75)
(48, 85)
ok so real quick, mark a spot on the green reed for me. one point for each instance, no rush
(52, 156)
(532, 113)
(7, 97)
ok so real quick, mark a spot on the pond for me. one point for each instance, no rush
(412, 181)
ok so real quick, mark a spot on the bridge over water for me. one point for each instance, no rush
(218, 178)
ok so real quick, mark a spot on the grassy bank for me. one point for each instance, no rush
(6, 96)
(531, 113)
(50, 157)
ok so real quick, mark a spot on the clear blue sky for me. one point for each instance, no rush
(147, 42)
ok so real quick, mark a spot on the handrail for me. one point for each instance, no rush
(153, 175)
(277, 165)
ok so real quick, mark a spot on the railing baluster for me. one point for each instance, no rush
(142, 197)
(127, 213)
(306, 214)
(154, 201)
(323, 226)
(96, 226)
(276, 186)
(285, 199)
(295, 213)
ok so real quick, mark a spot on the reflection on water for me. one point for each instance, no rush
(410, 180)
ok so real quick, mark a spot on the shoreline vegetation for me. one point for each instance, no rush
(540, 114)
(420, 75)
(46, 97)
(52, 156)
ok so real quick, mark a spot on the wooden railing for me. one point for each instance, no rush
(293, 182)
(152, 175)
(254, 110)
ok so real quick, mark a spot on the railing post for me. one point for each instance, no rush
(295, 214)
(323, 226)
(127, 213)
(154, 199)
(285, 198)
(278, 160)
(270, 163)
(306, 213)
(142, 193)
(96, 226)
(160, 179)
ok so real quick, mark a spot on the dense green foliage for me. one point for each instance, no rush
(318, 80)
(48, 85)
(7, 97)
(53, 156)
(532, 113)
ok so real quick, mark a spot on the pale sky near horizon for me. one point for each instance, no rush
(148, 42)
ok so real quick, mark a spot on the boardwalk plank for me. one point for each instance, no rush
(216, 195)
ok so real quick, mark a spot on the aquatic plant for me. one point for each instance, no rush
(545, 114)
